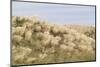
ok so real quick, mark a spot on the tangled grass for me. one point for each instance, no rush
(39, 42)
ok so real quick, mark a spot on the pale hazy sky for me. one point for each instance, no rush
(56, 13)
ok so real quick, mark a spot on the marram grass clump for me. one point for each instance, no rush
(39, 42)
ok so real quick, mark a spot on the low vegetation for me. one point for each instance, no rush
(39, 42)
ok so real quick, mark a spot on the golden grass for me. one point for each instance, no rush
(39, 42)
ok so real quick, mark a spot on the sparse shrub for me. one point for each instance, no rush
(19, 54)
(69, 37)
(28, 35)
(63, 46)
(17, 38)
(19, 30)
(37, 28)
